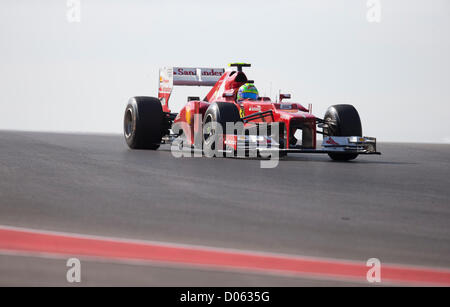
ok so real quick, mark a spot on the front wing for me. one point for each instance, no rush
(330, 144)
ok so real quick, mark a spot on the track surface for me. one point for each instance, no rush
(395, 207)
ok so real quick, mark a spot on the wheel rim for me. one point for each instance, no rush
(331, 129)
(128, 123)
(208, 134)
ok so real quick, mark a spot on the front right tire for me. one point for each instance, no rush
(342, 120)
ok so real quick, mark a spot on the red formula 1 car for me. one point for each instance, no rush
(220, 124)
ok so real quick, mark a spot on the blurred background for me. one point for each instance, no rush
(57, 75)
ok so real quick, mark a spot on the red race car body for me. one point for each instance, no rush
(297, 127)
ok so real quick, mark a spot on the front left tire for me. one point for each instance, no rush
(217, 115)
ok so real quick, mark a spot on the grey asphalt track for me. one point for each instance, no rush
(395, 207)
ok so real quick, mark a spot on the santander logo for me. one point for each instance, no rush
(185, 72)
(180, 71)
(211, 72)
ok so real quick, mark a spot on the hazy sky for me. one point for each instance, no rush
(61, 76)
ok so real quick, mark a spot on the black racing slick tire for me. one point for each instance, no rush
(342, 120)
(143, 123)
(217, 115)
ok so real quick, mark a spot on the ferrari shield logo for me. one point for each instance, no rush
(242, 111)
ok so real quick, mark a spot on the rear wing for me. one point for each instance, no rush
(171, 76)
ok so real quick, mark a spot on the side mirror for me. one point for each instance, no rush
(193, 98)
(228, 94)
(284, 96)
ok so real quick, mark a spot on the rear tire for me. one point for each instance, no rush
(342, 120)
(142, 123)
